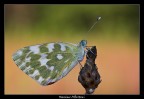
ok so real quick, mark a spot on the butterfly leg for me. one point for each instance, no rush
(90, 51)
(80, 64)
(86, 51)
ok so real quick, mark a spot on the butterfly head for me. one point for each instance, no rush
(83, 43)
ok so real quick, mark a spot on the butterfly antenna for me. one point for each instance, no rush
(98, 18)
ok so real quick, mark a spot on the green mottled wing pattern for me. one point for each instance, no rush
(47, 63)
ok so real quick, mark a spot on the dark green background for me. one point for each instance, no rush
(118, 21)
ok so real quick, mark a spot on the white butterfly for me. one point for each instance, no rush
(49, 62)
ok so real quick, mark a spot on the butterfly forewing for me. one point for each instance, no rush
(47, 63)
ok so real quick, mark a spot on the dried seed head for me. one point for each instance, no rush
(89, 77)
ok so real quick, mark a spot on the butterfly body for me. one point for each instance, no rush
(49, 62)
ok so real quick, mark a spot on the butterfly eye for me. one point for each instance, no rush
(83, 43)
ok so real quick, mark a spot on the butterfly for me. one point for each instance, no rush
(49, 62)
(89, 76)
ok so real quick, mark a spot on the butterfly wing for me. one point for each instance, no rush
(46, 63)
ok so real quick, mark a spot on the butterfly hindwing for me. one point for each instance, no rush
(46, 63)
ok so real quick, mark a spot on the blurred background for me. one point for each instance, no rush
(116, 37)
